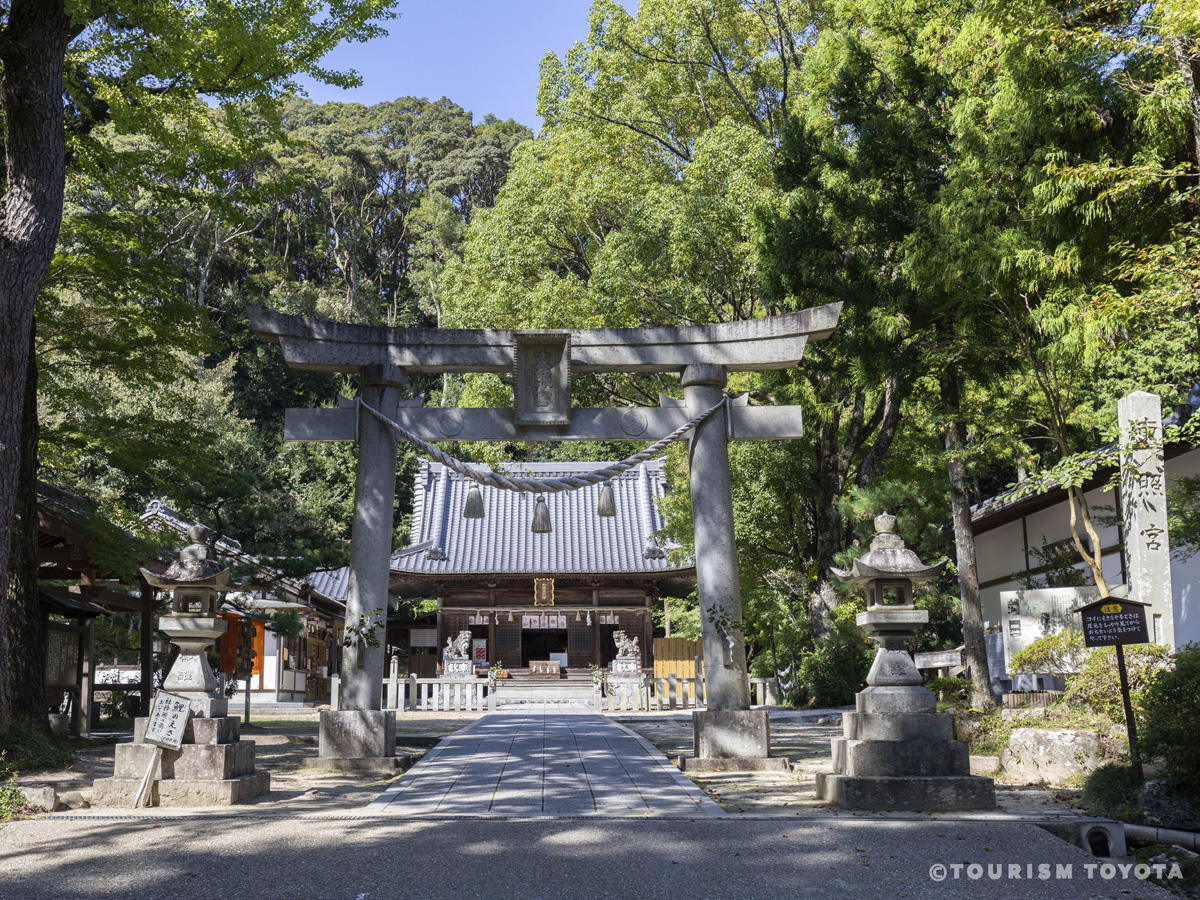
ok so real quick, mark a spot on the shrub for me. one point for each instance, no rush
(948, 689)
(1098, 686)
(25, 747)
(12, 801)
(833, 673)
(1112, 791)
(1054, 654)
(1171, 717)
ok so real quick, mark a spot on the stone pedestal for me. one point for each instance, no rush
(731, 734)
(214, 767)
(358, 740)
(459, 668)
(898, 752)
(624, 665)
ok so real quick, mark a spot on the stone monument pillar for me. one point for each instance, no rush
(213, 767)
(898, 751)
(1144, 513)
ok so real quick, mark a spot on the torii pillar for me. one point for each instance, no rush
(540, 363)
(371, 542)
(725, 683)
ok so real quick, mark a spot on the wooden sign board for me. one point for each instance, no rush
(168, 719)
(543, 592)
(1111, 622)
(62, 656)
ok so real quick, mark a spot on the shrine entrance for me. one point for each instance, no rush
(540, 364)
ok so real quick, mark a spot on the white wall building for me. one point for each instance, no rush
(1027, 542)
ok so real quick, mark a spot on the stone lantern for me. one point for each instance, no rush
(897, 751)
(213, 766)
(193, 624)
(889, 570)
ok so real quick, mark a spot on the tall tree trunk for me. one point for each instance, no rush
(834, 457)
(831, 480)
(24, 623)
(32, 48)
(974, 646)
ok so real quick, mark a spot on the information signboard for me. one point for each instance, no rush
(62, 656)
(168, 720)
(1111, 622)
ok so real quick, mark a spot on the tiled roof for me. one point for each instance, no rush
(333, 583)
(581, 541)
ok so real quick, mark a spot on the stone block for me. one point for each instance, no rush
(895, 700)
(207, 706)
(731, 733)
(132, 761)
(936, 794)
(121, 792)
(1036, 755)
(222, 730)
(45, 798)
(193, 761)
(898, 727)
(897, 759)
(215, 762)
(357, 733)
(184, 792)
(60, 725)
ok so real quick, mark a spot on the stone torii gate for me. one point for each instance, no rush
(541, 363)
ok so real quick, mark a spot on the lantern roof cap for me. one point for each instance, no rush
(888, 558)
(194, 568)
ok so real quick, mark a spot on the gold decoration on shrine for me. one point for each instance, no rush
(543, 592)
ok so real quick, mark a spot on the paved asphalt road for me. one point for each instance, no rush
(375, 858)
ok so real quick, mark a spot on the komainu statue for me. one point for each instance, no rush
(459, 647)
(627, 647)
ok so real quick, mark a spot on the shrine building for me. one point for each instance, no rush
(528, 597)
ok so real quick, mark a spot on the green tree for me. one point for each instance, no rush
(142, 66)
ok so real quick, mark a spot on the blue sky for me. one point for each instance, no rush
(482, 54)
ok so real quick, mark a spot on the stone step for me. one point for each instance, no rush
(898, 726)
(894, 759)
(213, 762)
(925, 793)
(221, 730)
(122, 792)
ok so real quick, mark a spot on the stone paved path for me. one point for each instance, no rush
(544, 761)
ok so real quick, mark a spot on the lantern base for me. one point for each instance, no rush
(899, 752)
(939, 794)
